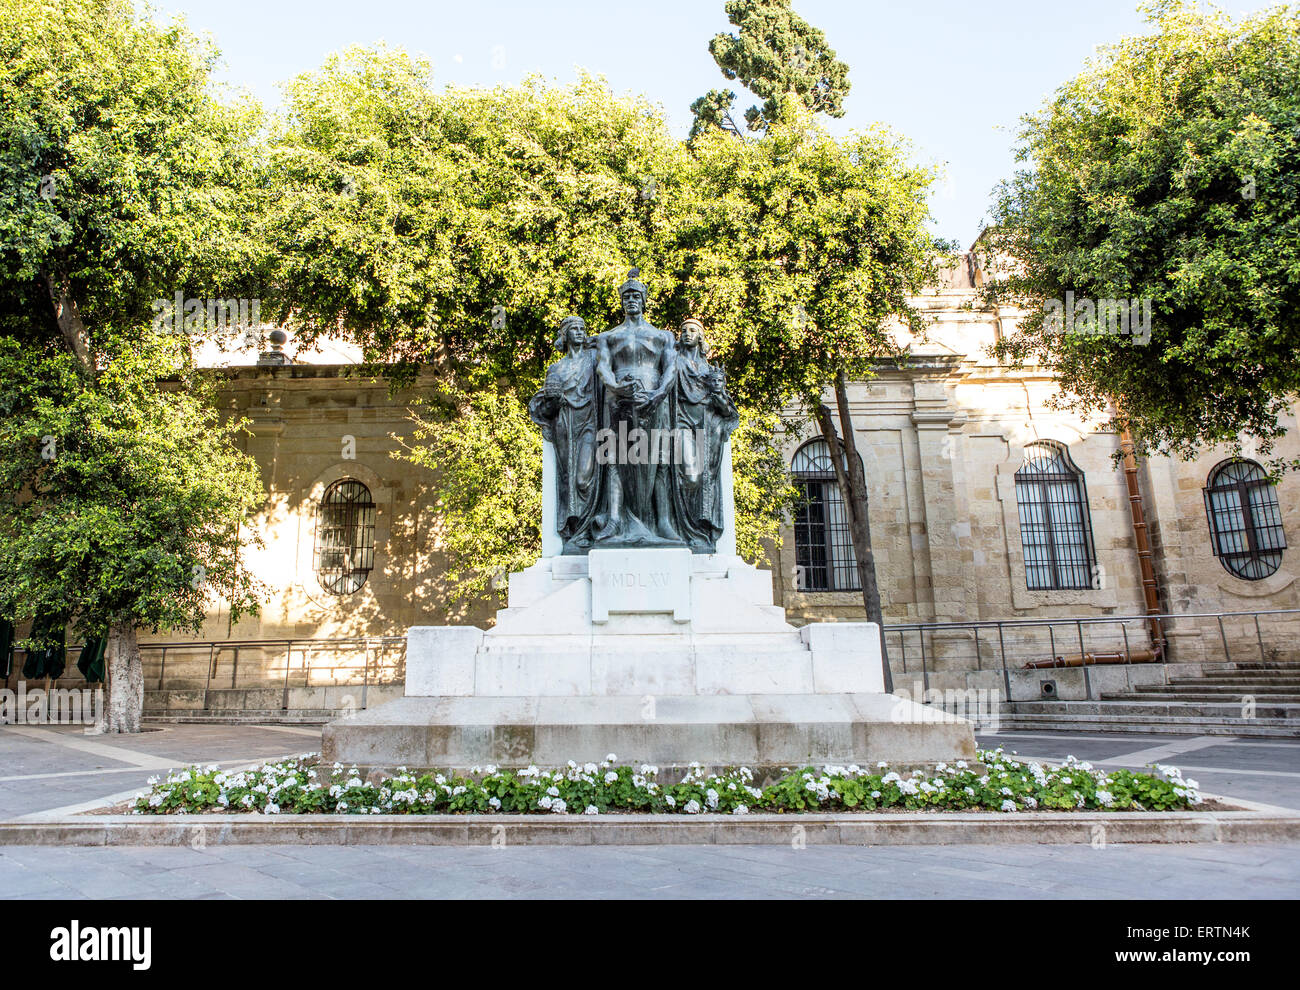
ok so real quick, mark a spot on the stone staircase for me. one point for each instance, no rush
(1238, 699)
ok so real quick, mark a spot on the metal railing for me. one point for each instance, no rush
(1002, 645)
(279, 665)
(1011, 643)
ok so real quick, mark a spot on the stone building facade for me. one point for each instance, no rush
(944, 436)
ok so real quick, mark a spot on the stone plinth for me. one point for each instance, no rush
(706, 669)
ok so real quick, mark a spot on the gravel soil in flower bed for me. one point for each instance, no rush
(999, 782)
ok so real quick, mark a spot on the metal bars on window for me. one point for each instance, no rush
(1245, 520)
(1055, 525)
(823, 544)
(345, 537)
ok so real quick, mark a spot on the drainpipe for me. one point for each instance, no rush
(1143, 542)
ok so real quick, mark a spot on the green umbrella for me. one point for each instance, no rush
(91, 661)
(49, 659)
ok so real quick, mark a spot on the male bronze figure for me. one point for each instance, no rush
(639, 424)
(636, 363)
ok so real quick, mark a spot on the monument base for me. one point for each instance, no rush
(757, 731)
(658, 656)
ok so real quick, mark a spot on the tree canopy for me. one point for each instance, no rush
(803, 252)
(1166, 176)
(120, 502)
(459, 228)
(777, 56)
(124, 183)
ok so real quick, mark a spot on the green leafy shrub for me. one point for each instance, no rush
(1004, 783)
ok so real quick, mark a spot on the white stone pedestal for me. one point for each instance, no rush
(659, 656)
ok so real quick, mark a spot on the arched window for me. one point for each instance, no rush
(1245, 519)
(345, 537)
(823, 546)
(1055, 527)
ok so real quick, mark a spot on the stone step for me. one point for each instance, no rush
(1232, 687)
(1253, 728)
(1242, 675)
(1215, 688)
(1144, 709)
(232, 717)
(1210, 696)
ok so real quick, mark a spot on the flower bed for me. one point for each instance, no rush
(1007, 784)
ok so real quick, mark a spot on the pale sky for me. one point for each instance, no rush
(952, 75)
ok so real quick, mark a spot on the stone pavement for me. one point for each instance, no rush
(47, 767)
(730, 872)
(43, 769)
(1253, 769)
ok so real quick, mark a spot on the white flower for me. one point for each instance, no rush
(1192, 785)
(1007, 791)
(875, 794)
(553, 791)
(961, 764)
(1008, 806)
(271, 809)
(545, 803)
(740, 809)
(559, 807)
(692, 807)
(1106, 798)
(970, 791)
(672, 801)
(610, 758)
(591, 810)
(494, 802)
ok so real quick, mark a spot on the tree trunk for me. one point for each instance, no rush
(851, 476)
(125, 674)
(68, 317)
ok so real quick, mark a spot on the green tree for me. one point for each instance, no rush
(777, 56)
(805, 252)
(122, 182)
(1166, 175)
(121, 502)
(457, 230)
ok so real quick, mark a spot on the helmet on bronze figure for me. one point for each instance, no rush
(634, 284)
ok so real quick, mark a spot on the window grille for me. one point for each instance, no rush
(1055, 525)
(823, 544)
(345, 537)
(1245, 519)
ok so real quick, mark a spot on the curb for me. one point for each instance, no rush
(897, 829)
